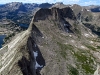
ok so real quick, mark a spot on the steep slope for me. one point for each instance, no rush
(68, 50)
(10, 55)
(81, 13)
(54, 44)
(93, 8)
(88, 18)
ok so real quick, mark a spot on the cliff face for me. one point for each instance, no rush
(64, 17)
(54, 13)
(54, 44)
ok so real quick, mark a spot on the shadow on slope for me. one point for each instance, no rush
(36, 62)
(97, 32)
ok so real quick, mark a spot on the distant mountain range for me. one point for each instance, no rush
(16, 11)
(21, 14)
(11, 10)
(60, 40)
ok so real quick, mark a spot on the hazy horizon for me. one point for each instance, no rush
(79, 2)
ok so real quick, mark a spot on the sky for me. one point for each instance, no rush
(80, 2)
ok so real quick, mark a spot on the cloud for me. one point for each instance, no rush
(64, 1)
(39, 1)
(24, 1)
(90, 3)
(71, 1)
(80, 2)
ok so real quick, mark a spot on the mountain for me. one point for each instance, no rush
(12, 9)
(93, 8)
(16, 16)
(13, 16)
(20, 13)
(56, 43)
(60, 40)
(45, 5)
(97, 9)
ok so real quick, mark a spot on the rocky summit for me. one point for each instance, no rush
(60, 40)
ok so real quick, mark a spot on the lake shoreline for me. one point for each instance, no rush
(2, 40)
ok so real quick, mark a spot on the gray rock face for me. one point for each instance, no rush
(56, 13)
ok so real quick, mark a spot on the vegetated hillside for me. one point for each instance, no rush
(56, 43)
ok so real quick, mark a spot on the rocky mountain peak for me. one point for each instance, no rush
(14, 4)
(12, 7)
(54, 13)
(59, 3)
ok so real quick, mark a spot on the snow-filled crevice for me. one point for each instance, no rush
(35, 63)
(38, 61)
(38, 58)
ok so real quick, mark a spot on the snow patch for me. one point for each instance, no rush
(73, 41)
(82, 9)
(35, 54)
(88, 10)
(85, 34)
(37, 65)
(70, 35)
(91, 41)
(42, 37)
(83, 47)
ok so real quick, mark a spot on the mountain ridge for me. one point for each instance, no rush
(56, 43)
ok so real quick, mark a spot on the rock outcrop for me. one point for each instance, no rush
(97, 71)
(56, 13)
